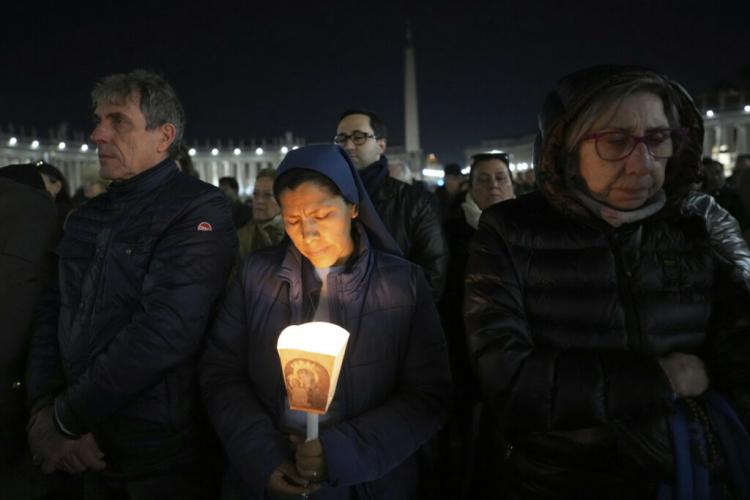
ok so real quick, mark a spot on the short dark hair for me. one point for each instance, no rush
(480, 157)
(377, 123)
(231, 182)
(292, 179)
(158, 101)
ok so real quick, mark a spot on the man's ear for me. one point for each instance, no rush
(381, 146)
(167, 133)
(355, 211)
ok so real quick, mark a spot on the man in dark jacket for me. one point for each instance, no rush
(409, 213)
(111, 372)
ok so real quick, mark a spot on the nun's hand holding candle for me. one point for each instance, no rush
(338, 265)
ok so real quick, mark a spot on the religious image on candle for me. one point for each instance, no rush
(311, 355)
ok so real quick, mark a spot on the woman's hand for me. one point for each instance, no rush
(310, 459)
(286, 481)
(686, 373)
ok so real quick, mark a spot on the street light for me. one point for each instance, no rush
(192, 151)
(84, 147)
(34, 144)
(214, 152)
(237, 151)
(258, 151)
(12, 141)
(61, 146)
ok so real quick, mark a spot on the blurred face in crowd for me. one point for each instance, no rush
(265, 207)
(53, 186)
(369, 152)
(318, 223)
(626, 184)
(125, 147)
(490, 183)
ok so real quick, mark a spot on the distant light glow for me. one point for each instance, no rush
(61, 145)
(523, 166)
(512, 167)
(295, 147)
(747, 108)
(284, 150)
(192, 151)
(466, 170)
(12, 141)
(433, 172)
(495, 151)
(237, 151)
(214, 152)
(84, 147)
(723, 148)
(258, 151)
(710, 113)
(34, 144)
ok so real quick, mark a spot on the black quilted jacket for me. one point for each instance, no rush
(566, 315)
(139, 269)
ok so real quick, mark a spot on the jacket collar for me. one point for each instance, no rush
(143, 183)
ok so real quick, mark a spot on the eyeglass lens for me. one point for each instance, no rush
(618, 145)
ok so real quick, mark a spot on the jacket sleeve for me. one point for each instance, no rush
(45, 378)
(249, 437)
(429, 248)
(187, 272)
(369, 445)
(530, 388)
(728, 353)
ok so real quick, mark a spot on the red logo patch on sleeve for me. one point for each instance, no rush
(205, 226)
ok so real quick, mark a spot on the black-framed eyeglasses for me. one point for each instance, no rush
(358, 138)
(662, 143)
(499, 155)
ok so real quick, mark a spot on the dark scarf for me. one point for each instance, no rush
(373, 176)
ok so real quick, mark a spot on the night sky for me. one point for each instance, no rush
(260, 69)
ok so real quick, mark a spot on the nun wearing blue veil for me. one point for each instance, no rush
(338, 264)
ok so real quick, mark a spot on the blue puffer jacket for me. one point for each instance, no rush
(139, 269)
(394, 385)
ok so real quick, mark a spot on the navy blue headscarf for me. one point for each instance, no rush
(332, 161)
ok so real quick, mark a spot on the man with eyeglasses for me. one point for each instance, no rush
(410, 214)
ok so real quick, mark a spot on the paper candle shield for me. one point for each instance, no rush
(311, 355)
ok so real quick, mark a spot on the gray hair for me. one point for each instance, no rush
(158, 101)
(610, 98)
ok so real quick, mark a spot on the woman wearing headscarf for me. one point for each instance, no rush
(603, 306)
(338, 264)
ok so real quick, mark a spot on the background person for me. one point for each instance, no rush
(265, 228)
(410, 213)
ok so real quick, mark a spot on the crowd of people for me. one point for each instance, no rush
(579, 331)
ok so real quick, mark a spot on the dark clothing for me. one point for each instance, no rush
(458, 234)
(450, 205)
(28, 234)
(115, 345)
(242, 213)
(567, 316)
(412, 217)
(394, 385)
